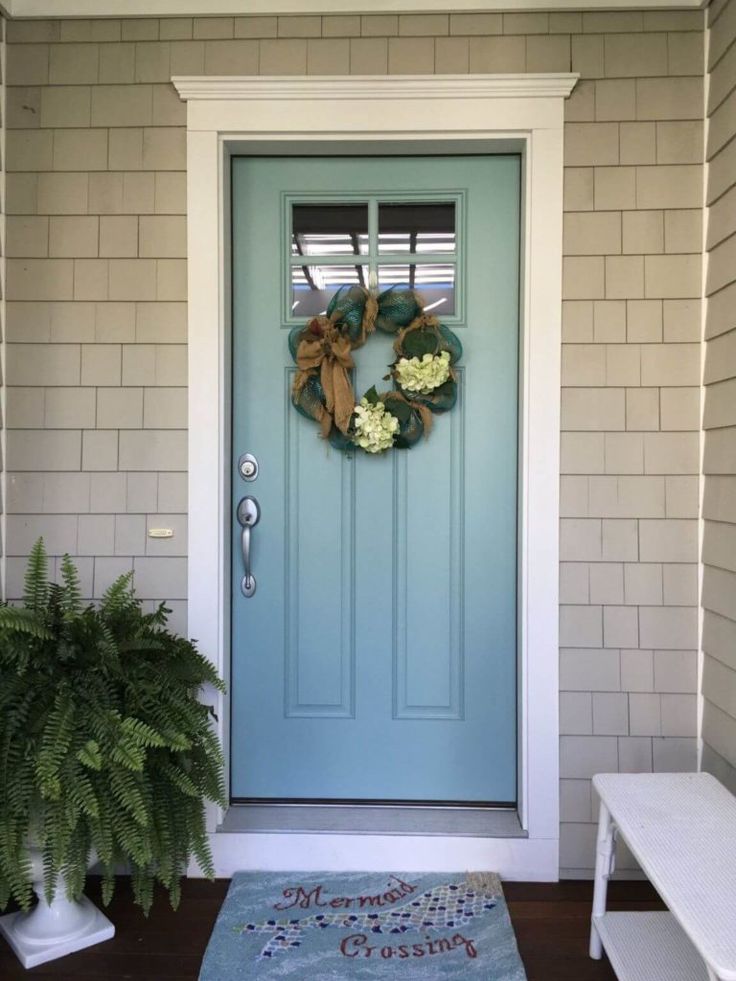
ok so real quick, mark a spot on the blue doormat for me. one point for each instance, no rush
(358, 925)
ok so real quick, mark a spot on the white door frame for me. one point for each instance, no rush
(438, 114)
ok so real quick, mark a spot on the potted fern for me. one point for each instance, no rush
(106, 754)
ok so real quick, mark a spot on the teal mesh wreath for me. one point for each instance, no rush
(423, 371)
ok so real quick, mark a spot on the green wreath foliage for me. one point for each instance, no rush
(349, 316)
(105, 747)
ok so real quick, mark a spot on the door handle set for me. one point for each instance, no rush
(249, 514)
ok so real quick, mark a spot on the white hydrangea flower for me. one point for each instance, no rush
(375, 428)
(423, 376)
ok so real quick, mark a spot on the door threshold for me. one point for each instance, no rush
(350, 819)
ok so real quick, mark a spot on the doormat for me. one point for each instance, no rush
(359, 925)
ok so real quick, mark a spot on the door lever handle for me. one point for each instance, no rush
(249, 514)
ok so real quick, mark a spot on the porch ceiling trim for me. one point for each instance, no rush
(214, 8)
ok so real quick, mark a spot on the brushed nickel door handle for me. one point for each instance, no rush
(249, 514)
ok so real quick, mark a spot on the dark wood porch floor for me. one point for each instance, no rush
(551, 923)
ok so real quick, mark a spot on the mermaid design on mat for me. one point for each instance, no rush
(450, 906)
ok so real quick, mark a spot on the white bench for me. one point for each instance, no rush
(681, 828)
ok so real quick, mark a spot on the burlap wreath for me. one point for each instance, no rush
(323, 352)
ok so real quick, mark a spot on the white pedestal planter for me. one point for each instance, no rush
(54, 930)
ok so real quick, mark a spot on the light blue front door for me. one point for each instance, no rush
(377, 659)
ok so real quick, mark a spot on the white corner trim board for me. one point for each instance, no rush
(419, 114)
(213, 8)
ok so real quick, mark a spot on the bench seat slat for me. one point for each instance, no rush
(681, 828)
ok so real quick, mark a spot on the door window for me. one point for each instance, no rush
(418, 227)
(378, 241)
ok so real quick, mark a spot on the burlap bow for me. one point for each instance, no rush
(323, 348)
(370, 312)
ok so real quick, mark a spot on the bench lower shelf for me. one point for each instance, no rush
(649, 947)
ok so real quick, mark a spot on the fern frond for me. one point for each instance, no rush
(36, 590)
(127, 793)
(24, 621)
(89, 755)
(180, 779)
(57, 736)
(119, 595)
(141, 733)
(71, 600)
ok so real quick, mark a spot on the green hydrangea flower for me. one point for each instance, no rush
(423, 375)
(375, 428)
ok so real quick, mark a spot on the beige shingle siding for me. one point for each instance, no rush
(630, 406)
(719, 421)
(97, 323)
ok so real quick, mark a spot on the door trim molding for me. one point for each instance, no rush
(437, 114)
(226, 88)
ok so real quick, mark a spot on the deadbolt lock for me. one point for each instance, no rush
(248, 466)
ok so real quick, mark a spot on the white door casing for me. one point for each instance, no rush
(441, 114)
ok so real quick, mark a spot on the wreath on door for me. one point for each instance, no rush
(423, 372)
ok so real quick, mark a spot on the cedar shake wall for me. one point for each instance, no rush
(96, 354)
(719, 504)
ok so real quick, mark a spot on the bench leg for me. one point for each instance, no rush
(603, 866)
